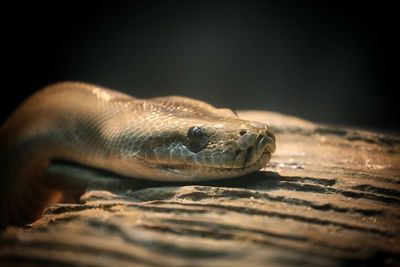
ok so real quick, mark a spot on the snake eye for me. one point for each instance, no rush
(197, 139)
(195, 133)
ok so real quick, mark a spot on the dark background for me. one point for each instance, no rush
(326, 61)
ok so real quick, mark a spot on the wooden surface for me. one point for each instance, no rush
(329, 197)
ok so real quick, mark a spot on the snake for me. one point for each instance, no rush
(168, 138)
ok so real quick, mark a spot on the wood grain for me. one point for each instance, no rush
(329, 197)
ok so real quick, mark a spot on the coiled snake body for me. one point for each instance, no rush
(166, 138)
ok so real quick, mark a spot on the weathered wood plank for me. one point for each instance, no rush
(329, 197)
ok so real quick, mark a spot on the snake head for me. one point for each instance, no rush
(231, 145)
(181, 139)
(203, 150)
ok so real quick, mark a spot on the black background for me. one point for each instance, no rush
(326, 61)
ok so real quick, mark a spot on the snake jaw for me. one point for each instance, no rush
(202, 173)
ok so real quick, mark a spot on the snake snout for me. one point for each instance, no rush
(266, 142)
(258, 136)
(254, 141)
(270, 134)
(271, 144)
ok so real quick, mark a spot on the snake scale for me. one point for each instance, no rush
(164, 138)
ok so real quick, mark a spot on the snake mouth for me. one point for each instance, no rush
(177, 162)
(187, 172)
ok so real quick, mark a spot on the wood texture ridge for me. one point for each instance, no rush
(329, 197)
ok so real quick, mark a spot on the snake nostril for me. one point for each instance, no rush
(243, 132)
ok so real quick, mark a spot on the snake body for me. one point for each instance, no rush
(165, 138)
